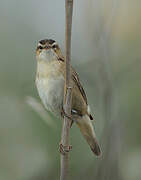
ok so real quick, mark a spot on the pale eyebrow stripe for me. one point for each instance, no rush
(54, 44)
(40, 44)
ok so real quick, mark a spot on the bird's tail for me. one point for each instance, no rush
(86, 128)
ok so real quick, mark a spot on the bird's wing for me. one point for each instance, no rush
(75, 78)
(77, 82)
(80, 104)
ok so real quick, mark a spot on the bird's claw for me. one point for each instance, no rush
(63, 113)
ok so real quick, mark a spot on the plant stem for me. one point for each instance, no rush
(67, 91)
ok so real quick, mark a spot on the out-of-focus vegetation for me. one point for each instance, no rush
(106, 43)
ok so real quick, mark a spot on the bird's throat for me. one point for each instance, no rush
(45, 69)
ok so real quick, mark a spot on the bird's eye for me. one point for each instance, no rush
(54, 46)
(40, 47)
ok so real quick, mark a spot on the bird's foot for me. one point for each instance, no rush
(63, 113)
(64, 149)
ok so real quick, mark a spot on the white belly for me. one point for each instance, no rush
(51, 92)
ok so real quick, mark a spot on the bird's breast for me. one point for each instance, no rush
(51, 90)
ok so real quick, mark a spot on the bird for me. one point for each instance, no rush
(50, 78)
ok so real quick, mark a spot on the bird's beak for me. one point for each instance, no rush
(47, 47)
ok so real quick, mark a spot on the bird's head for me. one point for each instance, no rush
(48, 50)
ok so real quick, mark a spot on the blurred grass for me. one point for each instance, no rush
(29, 146)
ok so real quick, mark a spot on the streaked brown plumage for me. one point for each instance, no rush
(50, 85)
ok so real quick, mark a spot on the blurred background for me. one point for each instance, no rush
(106, 41)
